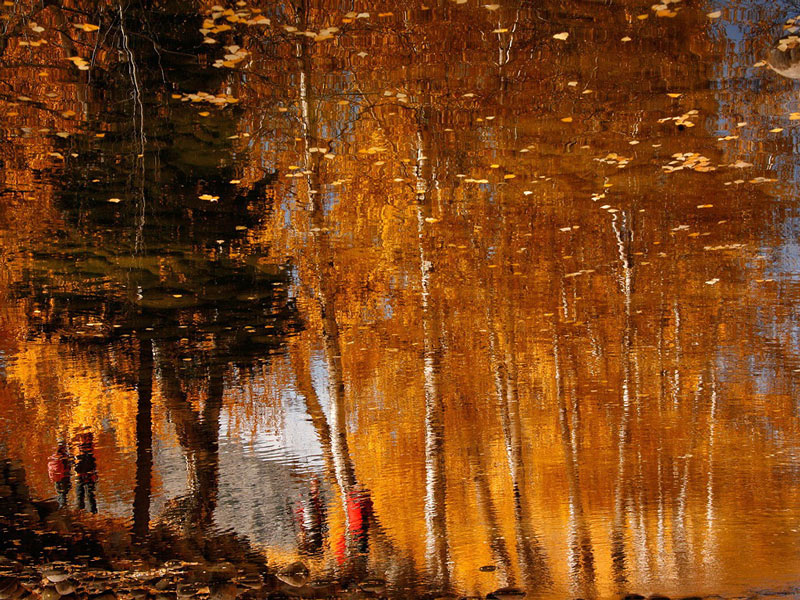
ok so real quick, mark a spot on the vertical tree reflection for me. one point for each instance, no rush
(624, 237)
(198, 435)
(144, 441)
(581, 553)
(435, 477)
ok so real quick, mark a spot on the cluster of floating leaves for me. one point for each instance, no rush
(36, 28)
(218, 99)
(663, 9)
(689, 160)
(788, 43)
(79, 62)
(615, 159)
(683, 120)
(221, 17)
(234, 56)
(321, 35)
(791, 24)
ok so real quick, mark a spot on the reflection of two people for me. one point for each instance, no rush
(311, 520)
(60, 466)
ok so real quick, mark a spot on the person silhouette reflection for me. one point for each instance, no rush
(59, 469)
(359, 516)
(355, 541)
(309, 515)
(86, 471)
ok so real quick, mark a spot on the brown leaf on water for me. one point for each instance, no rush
(87, 27)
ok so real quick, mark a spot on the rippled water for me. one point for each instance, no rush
(453, 296)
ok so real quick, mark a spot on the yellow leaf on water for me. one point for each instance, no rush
(88, 27)
(674, 95)
(115, 200)
(205, 113)
(776, 130)
(561, 36)
(566, 120)
(491, 6)
(714, 15)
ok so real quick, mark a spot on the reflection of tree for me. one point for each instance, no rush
(624, 237)
(435, 477)
(488, 512)
(582, 561)
(144, 440)
(503, 364)
(159, 269)
(198, 434)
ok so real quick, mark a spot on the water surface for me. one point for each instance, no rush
(454, 295)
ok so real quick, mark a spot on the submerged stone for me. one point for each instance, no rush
(295, 575)
(223, 591)
(66, 586)
(56, 574)
(9, 588)
(373, 586)
(253, 581)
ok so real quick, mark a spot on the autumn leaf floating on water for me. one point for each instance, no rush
(87, 27)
